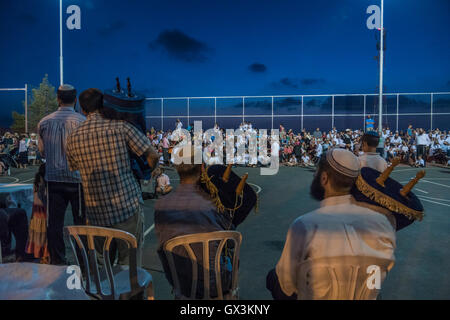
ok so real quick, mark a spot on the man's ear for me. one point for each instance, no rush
(324, 178)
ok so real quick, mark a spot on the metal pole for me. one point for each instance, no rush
(61, 72)
(431, 120)
(26, 108)
(380, 115)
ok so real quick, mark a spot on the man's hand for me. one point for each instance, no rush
(152, 157)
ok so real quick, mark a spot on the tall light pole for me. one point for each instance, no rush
(61, 71)
(380, 111)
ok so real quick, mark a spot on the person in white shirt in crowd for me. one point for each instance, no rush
(178, 124)
(419, 162)
(370, 158)
(422, 142)
(396, 140)
(162, 182)
(353, 230)
(306, 160)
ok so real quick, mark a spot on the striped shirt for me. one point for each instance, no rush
(53, 131)
(99, 148)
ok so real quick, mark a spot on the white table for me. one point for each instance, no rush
(33, 281)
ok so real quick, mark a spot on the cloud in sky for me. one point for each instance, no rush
(257, 67)
(181, 46)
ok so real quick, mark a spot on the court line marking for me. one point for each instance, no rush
(149, 230)
(426, 197)
(421, 190)
(16, 179)
(259, 188)
(442, 204)
(438, 184)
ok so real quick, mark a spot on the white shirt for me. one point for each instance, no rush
(338, 228)
(372, 160)
(423, 139)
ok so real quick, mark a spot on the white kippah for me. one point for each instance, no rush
(344, 162)
(66, 87)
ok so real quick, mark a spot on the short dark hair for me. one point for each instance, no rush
(371, 140)
(339, 181)
(67, 97)
(91, 100)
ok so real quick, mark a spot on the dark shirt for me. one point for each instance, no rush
(185, 211)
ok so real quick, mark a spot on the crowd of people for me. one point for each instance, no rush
(18, 150)
(97, 160)
(415, 147)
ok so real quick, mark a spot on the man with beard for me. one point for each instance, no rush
(339, 228)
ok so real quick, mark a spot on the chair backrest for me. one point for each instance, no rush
(342, 278)
(205, 238)
(90, 259)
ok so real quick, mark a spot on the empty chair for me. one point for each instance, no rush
(342, 278)
(219, 238)
(119, 282)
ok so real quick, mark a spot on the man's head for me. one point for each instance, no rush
(91, 100)
(369, 141)
(188, 171)
(67, 95)
(335, 175)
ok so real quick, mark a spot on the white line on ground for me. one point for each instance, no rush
(149, 230)
(15, 179)
(259, 188)
(438, 184)
(442, 204)
(439, 199)
(421, 190)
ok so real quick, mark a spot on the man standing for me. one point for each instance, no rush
(422, 142)
(369, 123)
(99, 150)
(371, 158)
(63, 185)
(339, 228)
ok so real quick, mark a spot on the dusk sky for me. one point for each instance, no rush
(225, 47)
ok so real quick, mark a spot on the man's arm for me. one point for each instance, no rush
(140, 144)
(292, 255)
(40, 142)
(152, 157)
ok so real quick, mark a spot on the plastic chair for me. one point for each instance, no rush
(122, 283)
(340, 278)
(205, 239)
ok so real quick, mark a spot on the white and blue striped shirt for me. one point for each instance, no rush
(53, 131)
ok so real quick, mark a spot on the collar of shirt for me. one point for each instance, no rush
(337, 200)
(93, 115)
(66, 108)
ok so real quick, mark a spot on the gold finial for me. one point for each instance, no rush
(129, 87)
(118, 84)
(241, 185)
(408, 187)
(383, 177)
(226, 174)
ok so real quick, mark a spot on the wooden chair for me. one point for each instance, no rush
(340, 278)
(205, 238)
(111, 283)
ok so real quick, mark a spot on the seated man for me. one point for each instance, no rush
(12, 221)
(188, 210)
(338, 228)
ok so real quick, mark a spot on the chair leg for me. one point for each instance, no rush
(149, 294)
